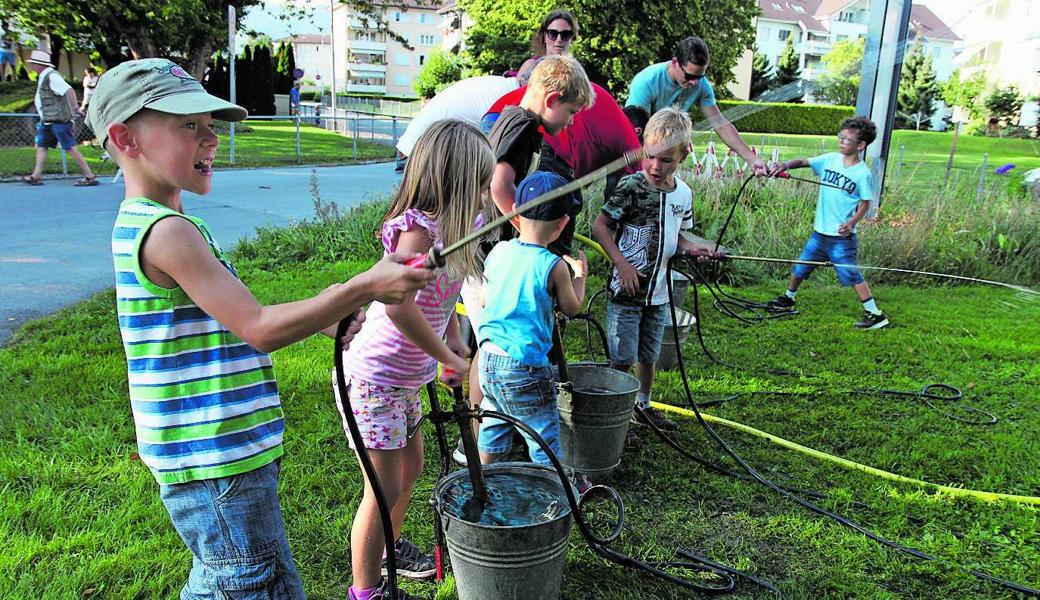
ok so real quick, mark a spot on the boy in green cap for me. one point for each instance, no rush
(206, 407)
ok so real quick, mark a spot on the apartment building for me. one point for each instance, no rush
(814, 26)
(372, 60)
(313, 54)
(1003, 41)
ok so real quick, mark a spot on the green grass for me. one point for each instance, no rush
(80, 518)
(262, 144)
(15, 96)
(925, 154)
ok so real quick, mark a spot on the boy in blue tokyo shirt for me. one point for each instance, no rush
(838, 210)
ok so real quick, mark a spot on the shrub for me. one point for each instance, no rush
(775, 117)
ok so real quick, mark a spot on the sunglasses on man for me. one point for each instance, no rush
(563, 34)
(687, 75)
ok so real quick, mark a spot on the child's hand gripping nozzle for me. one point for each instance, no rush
(431, 260)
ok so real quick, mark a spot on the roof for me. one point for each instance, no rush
(448, 6)
(925, 23)
(307, 38)
(830, 7)
(792, 11)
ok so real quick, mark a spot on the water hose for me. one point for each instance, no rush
(844, 521)
(343, 400)
(848, 464)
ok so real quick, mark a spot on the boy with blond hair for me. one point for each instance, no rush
(557, 90)
(205, 402)
(639, 229)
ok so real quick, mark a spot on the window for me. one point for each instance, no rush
(425, 19)
(401, 59)
(777, 6)
(401, 79)
(784, 34)
(400, 17)
(421, 59)
(797, 9)
(426, 39)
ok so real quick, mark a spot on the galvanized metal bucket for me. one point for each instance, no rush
(518, 562)
(668, 359)
(594, 418)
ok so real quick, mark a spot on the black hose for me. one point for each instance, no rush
(790, 496)
(366, 461)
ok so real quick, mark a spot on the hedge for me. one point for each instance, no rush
(775, 117)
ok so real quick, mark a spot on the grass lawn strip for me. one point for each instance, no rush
(82, 517)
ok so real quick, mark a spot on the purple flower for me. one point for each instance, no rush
(1004, 169)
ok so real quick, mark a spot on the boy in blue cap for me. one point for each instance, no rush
(524, 282)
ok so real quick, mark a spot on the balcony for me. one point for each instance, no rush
(365, 68)
(364, 87)
(816, 47)
(366, 46)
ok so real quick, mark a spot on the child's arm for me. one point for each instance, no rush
(794, 163)
(503, 187)
(408, 318)
(627, 274)
(861, 210)
(569, 292)
(175, 254)
(453, 336)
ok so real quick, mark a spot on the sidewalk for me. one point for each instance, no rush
(56, 246)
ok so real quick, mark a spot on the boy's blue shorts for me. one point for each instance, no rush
(838, 250)
(527, 393)
(635, 333)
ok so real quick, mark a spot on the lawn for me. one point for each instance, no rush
(261, 144)
(16, 95)
(80, 516)
(925, 154)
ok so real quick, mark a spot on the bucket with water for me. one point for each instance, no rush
(594, 418)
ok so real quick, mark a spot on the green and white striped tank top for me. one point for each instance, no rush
(205, 403)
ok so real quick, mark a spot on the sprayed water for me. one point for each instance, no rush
(513, 500)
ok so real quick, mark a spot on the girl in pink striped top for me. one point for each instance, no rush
(397, 350)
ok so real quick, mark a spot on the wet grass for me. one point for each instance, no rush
(82, 519)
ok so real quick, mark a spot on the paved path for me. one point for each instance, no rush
(56, 247)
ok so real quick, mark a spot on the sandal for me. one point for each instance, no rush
(87, 182)
(30, 180)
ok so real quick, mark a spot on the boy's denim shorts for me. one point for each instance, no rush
(838, 250)
(527, 393)
(234, 529)
(635, 332)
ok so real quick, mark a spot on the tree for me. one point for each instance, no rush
(839, 83)
(618, 37)
(788, 72)
(761, 75)
(918, 90)
(218, 81)
(441, 69)
(263, 79)
(966, 93)
(285, 63)
(1005, 103)
(187, 31)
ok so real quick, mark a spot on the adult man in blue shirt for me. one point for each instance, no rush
(681, 83)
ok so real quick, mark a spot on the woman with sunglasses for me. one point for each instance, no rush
(558, 30)
(681, 83)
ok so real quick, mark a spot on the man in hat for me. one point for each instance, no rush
(57, 106)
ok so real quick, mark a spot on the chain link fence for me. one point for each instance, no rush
(315, 136)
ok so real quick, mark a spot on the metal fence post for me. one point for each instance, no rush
(296, 119)
(393, 129)
(355, 136)
(372, 127)
(982, 179)
(64, 163)
(899, 166)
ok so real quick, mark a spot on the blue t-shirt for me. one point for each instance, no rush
(518, 310)
(835, 206)
(294, 96)
(653, 89)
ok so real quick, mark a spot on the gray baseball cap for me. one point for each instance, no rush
(155, 83)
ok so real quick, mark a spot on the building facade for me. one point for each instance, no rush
(373, 61)
(313, 54)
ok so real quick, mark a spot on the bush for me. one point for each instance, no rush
(775, 117)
